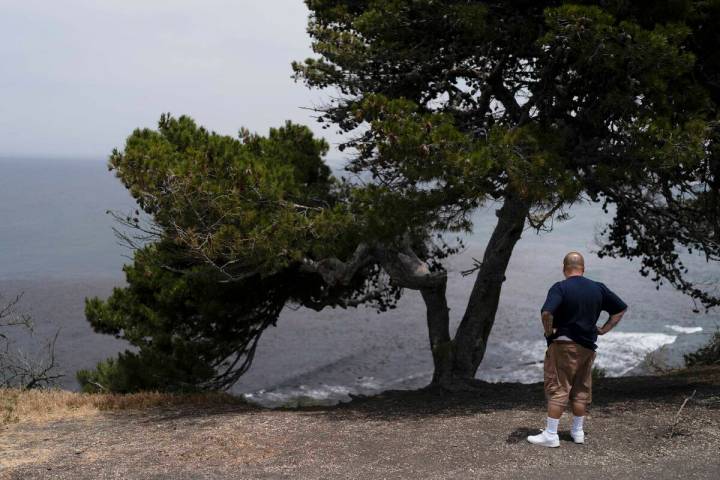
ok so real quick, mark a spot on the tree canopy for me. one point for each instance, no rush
(217, 251)
(553, 100)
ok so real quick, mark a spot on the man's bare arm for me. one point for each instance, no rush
(611, 322)
(547, 321)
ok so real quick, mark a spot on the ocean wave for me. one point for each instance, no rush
(617, 354)
(620, 352)
(312, 395)
(331, 394)
(679, 329)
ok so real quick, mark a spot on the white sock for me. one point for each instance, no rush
(577, 425)
(552, 425)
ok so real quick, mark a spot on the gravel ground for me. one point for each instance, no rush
(418, 434)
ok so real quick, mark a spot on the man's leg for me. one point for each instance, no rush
(581, 394)
(556, 411)
(579, 408)
(576, 432)
(558, 372)
(556, 393)
(549, 437)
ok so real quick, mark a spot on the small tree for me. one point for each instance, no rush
(219, 252)
(28, 367)
(708, 354)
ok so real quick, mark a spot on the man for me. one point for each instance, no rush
(569, 317)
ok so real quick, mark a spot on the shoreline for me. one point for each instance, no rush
(396, 434)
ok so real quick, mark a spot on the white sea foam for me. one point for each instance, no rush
(617, 354)
(620, 352)
(326, 394)
(679, 329)
(310, 395)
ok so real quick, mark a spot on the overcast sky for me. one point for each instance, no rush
(77, 76)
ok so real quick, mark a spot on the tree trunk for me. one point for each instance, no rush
(438, 321)
(457, 361)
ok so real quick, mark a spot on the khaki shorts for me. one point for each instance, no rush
(568, 373)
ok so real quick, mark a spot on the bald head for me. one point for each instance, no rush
(573, 264)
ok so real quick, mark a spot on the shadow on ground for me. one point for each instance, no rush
(609, 395)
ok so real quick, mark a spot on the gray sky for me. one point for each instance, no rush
(79, 75)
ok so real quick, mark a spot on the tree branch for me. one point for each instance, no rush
(403, 266)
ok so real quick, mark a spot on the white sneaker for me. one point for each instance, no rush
(578, 437)
(545, 439)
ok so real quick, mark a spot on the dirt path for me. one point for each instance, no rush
(422, 435)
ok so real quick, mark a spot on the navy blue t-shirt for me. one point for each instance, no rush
(575, 304)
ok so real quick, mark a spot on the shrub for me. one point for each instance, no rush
(707, 355)
(598, 373)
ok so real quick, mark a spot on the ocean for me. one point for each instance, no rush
(57, 248)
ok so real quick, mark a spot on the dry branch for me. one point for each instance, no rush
(677, 415)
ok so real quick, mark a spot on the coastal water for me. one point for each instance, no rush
(57, 246)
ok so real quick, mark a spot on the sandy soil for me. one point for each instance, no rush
(418, 434)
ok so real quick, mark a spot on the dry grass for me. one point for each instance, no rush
(43, 405)
(421, 434)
